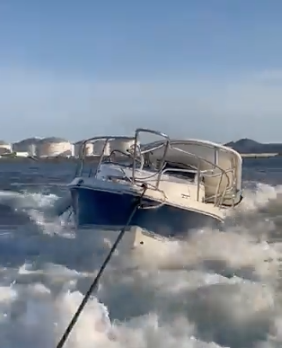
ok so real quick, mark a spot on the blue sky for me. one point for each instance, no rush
(203, 69)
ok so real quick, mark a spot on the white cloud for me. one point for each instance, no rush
(36, 103)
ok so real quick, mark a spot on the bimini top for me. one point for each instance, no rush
(220, 166)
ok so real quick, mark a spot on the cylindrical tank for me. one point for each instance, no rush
(98, 148)
(78, 148)
(28, 146)
(5, 148)
(52, 147)
(124, 145)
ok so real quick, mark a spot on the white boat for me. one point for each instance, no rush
(178, 185)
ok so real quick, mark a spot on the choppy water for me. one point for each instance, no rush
(218, 290)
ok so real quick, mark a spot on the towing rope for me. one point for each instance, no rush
(100, 273)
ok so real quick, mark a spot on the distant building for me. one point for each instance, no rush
(5, 148)
(88, 151)
(53, 146)
(27, 146)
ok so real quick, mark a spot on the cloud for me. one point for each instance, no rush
(42, 103)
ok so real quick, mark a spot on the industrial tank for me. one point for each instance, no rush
(98, 148)
(124, 145)
(88, 151)
(5, 148)
(28, 146)
(52, 147)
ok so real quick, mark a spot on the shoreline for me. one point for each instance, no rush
(260, 155)
(35, 160)
(12, 159)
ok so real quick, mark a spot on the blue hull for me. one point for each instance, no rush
(100, 208)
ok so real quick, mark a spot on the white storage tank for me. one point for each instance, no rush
(98, 148)
(53, 146)
(88, 148)
(124, 145)
(5, 148)
(28, 146)
(22, 154)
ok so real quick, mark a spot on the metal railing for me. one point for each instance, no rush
(108, 139)
(210, 173)
(137, 154)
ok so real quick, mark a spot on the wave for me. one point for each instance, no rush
(218, 289)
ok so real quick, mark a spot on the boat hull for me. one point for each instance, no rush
(111, 210)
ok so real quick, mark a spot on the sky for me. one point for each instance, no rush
(208, 69)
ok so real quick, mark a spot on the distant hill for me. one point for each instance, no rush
(252, 146)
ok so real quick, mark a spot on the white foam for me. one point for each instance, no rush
(217, 290)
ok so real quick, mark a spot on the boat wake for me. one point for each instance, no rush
(216, 290)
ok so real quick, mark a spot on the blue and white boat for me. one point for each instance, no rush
(179, 185)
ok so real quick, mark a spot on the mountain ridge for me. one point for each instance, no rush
(246, 145)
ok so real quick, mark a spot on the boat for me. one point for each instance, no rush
(177, 186)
